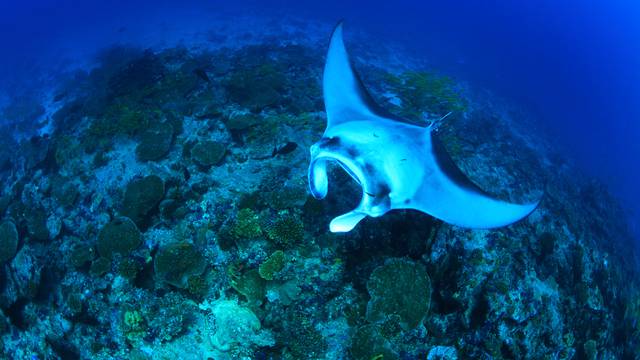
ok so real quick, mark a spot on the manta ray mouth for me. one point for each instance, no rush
(351, 173)
(319, 179)
(375, 197)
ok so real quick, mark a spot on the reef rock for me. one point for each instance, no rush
(8, 240)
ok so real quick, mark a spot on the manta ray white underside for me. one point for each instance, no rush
(397, 164)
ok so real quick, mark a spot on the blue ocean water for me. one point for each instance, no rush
(159, 151)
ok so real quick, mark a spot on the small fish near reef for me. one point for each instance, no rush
(398, 165)
(287, 148)
(202, 74)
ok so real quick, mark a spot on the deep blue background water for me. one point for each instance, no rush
(572, 63)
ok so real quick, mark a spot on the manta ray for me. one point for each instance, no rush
(398, 165)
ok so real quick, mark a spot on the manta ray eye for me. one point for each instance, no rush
(330, 142)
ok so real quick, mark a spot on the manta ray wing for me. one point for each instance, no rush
(345, 97)
(448, 194)
(398, 165)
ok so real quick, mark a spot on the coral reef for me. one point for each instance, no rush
(167, 217)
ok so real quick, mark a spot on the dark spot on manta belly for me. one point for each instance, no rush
(335, 144)
(352, 151)
(382, 195)
(384, 189)
(369, 170)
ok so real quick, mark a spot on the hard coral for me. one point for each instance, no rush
(246, 225)
(133, 325)
(399, 287)
(287, 230)
(81, 255)
(100, 266)
(128, 268)
(139, 73)
(169, 316)
(155, 142)
(177, 262)
(233, 327)
(258, 87)
(141, 197)
(37, 224)
(369, 344)
(120, 236)
(286, 197)
(272, 265)
(121, 118)
(64, 191)
(8, 240)
(426, 92)
(208, 153)
(239, 122)
(249, 284)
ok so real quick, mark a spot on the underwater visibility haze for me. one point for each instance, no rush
(319, 180)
